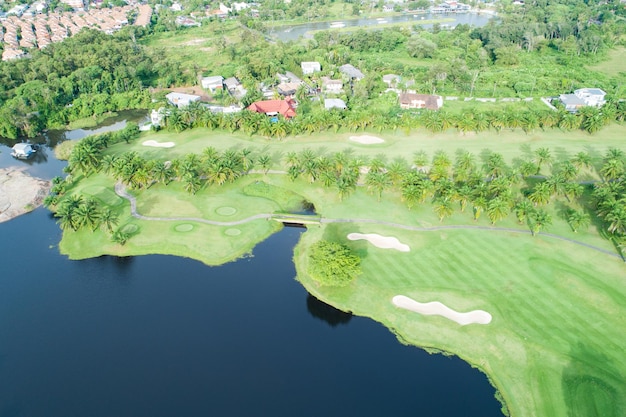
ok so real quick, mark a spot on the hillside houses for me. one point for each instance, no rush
(351, 72)
(39, 30)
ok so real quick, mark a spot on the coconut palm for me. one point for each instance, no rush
(377, 182)
(572, 190)
(578, 219)
(568, 171)
(443, 208)
(541, 194)
(538, 221)
(108, 219)
(543, 156)
(420, 160)
(497, 209)
(523, 209)
(265, 162)
(120, 237)
(464, 166)
(612, 169)
(495, 165)
(528, 168)
(617, 219)
(478, 205)
(87, 215)
(582, 160)
(192, 183)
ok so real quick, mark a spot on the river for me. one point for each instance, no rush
(293, 32)
(167, 336)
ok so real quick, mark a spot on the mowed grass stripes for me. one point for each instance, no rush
(555, 345)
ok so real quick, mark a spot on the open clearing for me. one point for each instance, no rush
(20, 193)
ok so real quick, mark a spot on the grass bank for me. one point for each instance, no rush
(554, 346)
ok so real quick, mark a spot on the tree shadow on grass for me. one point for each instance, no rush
(338, 232)
(592, 386)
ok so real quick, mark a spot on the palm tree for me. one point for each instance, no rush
(568, 171)
(247, 163)
(523, 209)
(617, 219)
(539, 220)
(498, 209)
(541, 194)
(478, 205)
(572, 190)
(578, 219)
(108, 219)
(420, 160)
(120, 237)
(265, 162)
(543, 156)
(495, 165)
(569, 121)
(528, 168)
(377, 182)
(582, 160)
(465, 166)
(87, 215)
(612, 169)
(192, 183)
(443, 208)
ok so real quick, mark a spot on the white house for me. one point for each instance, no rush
(332, 86)
(181, 100)
(310, 67)
(334, 103)
(593, 97)
(392, 80)
(213, 83)
(351, 72)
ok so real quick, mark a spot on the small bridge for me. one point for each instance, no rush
(297, 219)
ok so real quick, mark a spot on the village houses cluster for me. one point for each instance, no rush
(26, 27)
(281, 97)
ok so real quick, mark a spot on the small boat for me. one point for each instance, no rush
(24, 150)
(381, 20)
(336, 25)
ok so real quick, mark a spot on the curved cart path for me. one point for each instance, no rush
(121, 191)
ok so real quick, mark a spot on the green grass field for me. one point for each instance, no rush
(614, 65)
(554, 347)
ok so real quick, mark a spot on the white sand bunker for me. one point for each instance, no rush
(155, 144)
(366, 140)
(383, 242)
(435, 308)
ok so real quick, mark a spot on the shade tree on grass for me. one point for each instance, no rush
(333, 264)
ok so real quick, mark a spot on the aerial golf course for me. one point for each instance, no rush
(553, 343)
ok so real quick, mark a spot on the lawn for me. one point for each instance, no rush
(554, 347)
(615, 63)
(513, 145)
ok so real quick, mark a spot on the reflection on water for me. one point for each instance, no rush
(45, 164)
(329, 314)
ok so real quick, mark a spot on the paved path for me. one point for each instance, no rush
(121, 191)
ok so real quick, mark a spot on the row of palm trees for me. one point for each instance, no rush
(590, 119)
(610, 197)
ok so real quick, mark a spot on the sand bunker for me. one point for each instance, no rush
(435, 308)
(20, 193)
(155, 144)
(366, 140)
(383, 242)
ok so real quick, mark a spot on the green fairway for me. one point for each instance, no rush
(554, 347)
(558, 299)
(513, 145)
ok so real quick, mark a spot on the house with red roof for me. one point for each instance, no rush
(274, 107)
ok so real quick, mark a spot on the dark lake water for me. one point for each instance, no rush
(167, 336)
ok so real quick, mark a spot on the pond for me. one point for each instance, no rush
(164, 336)
(293, 32)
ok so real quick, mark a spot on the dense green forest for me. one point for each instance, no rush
(540, 49)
